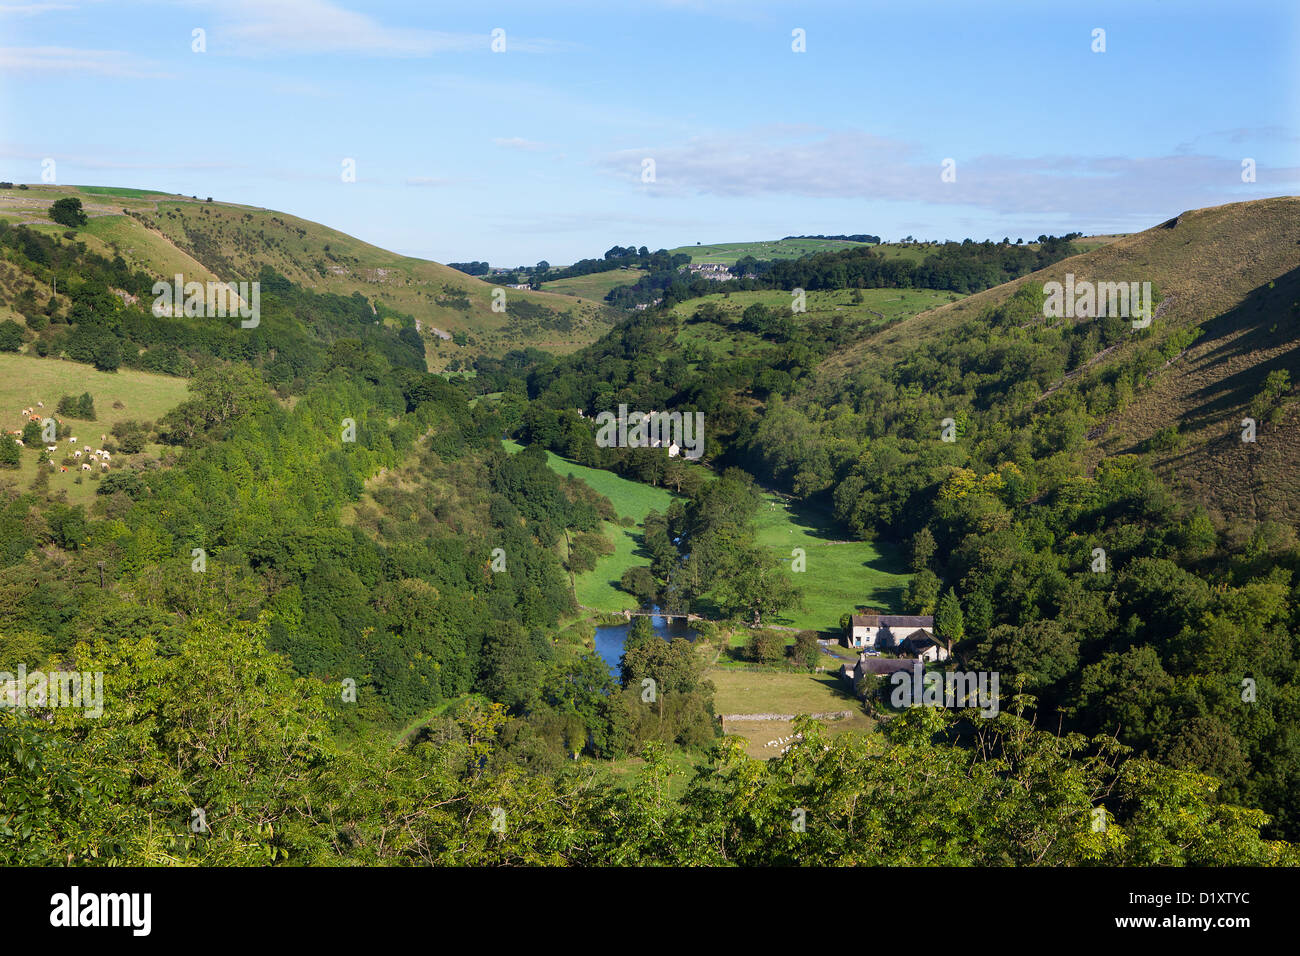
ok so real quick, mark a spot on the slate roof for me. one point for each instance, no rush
(892, 620)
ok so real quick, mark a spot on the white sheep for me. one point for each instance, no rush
(85, 467)
(103, 466)
(76, 454)
(73, 440)
(19, 441)
(51, 448)
(40, 404)
(103, 437)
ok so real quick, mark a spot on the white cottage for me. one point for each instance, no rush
(887, 631)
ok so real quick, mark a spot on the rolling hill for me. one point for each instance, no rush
(164, 234)
(1231, 274)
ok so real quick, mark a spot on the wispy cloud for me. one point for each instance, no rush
(614, 222)
(518, 142)
(29, 9)
(297, 88)
(262, 27)
(853, 165)
(74, 60)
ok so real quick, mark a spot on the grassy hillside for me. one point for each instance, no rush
(165, 234)
(1229, 271)
(598, 588)
(877, 307)
(729, 252)
(595, 286)
(840, 574)
(119, 396)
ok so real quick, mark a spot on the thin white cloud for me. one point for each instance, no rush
(264, 27)
(428, 181)
(518, 142)
(63, 59)
(30, 9)
(613, 222)
(297, 88)
(852, 165)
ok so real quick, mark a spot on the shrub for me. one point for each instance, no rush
(68, 212)
(11, 336)
(82, 406)
(9, 451)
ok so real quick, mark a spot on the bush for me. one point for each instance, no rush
(108, 354)
(640, 583)
(9, 451)
(1166, 439)
(82, 406)
(767, 647)
(131, 436)
(68, 212)
(806, 651)
(126, 482)
(11, 336)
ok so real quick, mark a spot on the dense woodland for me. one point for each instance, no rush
(1003, 521)
(223, 686)
(966, 266)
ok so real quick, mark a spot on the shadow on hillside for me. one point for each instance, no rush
(887, 597)
(1264, 321)
(814, 520)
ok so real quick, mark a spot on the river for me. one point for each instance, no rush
(610, 638)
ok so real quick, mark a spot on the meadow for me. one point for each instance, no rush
(26, 380)
(594, 286)
(840, 574)
(598, 588)
(729, 252)
(775, 692)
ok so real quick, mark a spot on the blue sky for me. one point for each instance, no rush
(537, 152)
